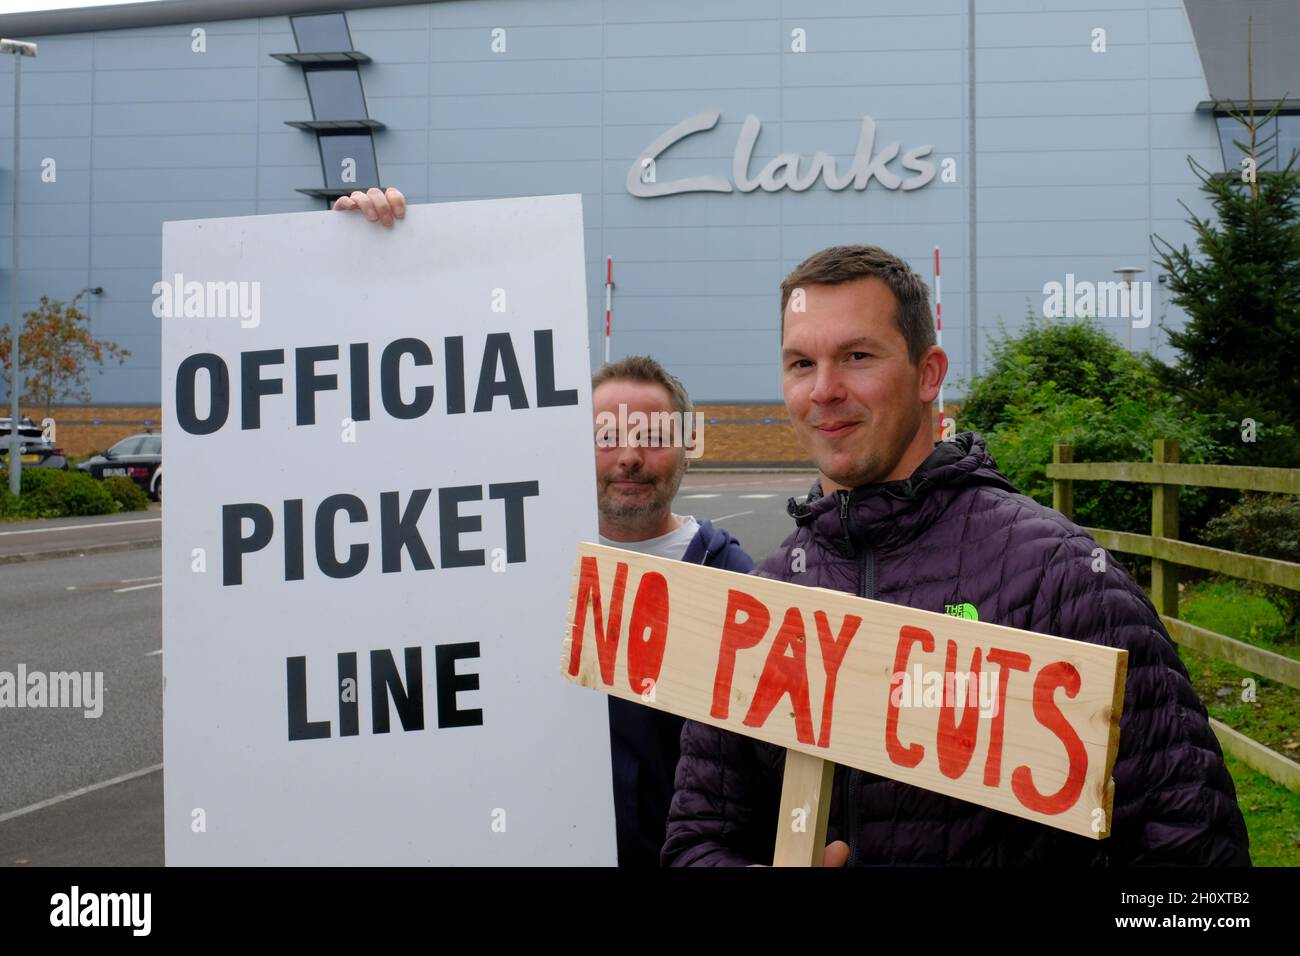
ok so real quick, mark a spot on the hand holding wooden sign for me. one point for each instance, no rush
(838, 679)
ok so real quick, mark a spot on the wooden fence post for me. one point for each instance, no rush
(1063, 488)
(1164, 524)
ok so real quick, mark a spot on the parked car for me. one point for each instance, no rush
(34, 451)
(138, 457)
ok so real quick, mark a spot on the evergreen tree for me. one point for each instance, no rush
(1241, 292)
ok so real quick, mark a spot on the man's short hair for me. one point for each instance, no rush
(642, 368)
(840, 264)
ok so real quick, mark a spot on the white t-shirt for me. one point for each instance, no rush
(671, 545)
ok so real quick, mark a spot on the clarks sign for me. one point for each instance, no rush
(784, 171)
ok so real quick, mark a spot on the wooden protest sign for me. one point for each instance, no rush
(1013, 720)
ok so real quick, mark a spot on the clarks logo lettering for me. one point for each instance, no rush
(784, 171)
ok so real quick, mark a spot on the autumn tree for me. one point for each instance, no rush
(57, 351)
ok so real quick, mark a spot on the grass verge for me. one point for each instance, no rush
(1230, 607)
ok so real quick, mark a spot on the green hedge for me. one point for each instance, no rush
(1267, 526)
(1070, 382)
(1075, 357)
(126, 493)
(53, 493)
(1125, 431)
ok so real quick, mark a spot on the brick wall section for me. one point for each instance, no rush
(750, 442)
(722, 442)
(726, 440)
(78, 437)
(756, 441)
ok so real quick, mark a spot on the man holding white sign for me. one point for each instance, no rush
(897, 518)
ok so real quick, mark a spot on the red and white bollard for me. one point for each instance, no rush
(938, 330)
(609, 300)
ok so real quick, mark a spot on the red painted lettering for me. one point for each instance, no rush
(785, 672)
(1060, 674)
(910, 755)
(833, 649)
(956, 743)
(649, 615)
(736, 635)
(1009, 661)
(606, 637)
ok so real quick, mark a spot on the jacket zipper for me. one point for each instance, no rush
(866, 589)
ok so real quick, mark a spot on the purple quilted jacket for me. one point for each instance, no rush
(957, 532)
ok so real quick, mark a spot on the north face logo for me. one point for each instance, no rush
(966, 611)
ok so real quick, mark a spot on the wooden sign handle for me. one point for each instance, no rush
(805, 810)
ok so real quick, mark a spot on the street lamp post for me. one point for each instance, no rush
(1127, 273)
(19, 49)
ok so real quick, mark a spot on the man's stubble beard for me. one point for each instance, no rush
(634, 519)
(879, 462)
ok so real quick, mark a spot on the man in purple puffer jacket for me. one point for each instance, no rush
(897, 518)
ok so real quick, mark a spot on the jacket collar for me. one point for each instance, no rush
(886, 515)
(707, 541)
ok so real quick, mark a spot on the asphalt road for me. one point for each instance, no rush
(751, 506)
(87, 791)
(100, 614)
(73, 537)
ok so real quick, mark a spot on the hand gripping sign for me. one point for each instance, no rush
(1016, 721)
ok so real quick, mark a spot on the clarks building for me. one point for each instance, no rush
(1039, 144)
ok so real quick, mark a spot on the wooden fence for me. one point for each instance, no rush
(1166, 476)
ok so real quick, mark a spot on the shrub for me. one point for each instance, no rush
(47, 493)
(1267, 526)
(1022, 447)
(1071, 382)
(1077, 358)
(34, 479)
(126, 493)
(54, 493)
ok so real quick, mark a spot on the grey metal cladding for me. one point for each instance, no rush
(1220, 32)
(168, 12)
